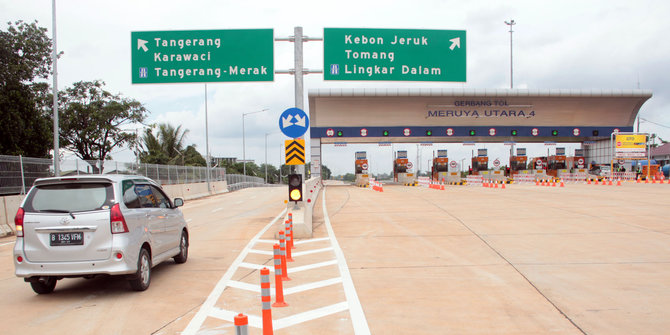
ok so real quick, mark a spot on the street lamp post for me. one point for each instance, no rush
(511, 70)
(266, 157)
(244, 148)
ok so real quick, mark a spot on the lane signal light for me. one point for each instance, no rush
(340, 133)
(295, 187)
(429, 133)
(515, 132)
(385, 133)
(472, 132)
(595, 133)
(554, 132)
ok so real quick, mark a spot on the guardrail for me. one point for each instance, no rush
(17, 173)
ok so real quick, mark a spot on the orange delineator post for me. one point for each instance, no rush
(288, 227)
(241, 324)
(279, 286)
(266, 299)
(287, 235)
(282, 249)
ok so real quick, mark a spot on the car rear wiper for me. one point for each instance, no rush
(58, 211)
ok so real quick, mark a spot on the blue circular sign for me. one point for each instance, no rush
(293, 122)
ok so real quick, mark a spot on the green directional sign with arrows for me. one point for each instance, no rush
(394, 54)
(196, 56)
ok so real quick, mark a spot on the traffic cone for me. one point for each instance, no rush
(442, 186)
(266, 299)
(241, 324)
(553, 183)
(279, 287)
(638, 179)
(562, 184)
(596, 181)
(618, 182)
(610, 182)
(537, 182)
(503, 186)
(496, 184)
(588, 181)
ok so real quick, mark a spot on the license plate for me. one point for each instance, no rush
(70, 238)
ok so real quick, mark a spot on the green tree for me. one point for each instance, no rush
(25, 118)
(91, 120)
(167, 147)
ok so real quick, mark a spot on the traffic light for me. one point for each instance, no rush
(429, 133)
(340, 133)
(595, 133)
(295, 187)
(554, 132)
(472, 132)
(514, 132)
(385, 133)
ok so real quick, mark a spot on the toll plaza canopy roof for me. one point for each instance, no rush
(471, 115)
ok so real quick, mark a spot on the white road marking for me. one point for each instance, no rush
(217, 209)
(188, 220)
(6, 243)
(208, 305)
(309, 252)
(312, 240)
(355, 309)
(309, 315)
(261, 252)
(311, 286)
(359, 322)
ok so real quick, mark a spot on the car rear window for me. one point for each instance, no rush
(72, 197)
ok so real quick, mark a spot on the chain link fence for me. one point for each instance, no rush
(18, 173)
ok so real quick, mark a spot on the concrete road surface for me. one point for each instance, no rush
(582, 259)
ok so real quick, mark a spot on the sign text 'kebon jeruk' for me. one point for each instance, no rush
(195, 56)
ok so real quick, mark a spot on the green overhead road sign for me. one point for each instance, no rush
(201, 56)
(394, 54)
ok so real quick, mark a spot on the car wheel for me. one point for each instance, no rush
(44, 285)
(142, 278)
(183, 249)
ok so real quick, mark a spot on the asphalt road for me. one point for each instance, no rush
(582, 259)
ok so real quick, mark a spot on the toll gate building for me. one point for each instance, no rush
(588, 117)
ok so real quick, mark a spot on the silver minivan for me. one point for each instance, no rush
(84, 226)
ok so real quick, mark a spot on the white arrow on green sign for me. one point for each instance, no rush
(191, 56)
(394, 54)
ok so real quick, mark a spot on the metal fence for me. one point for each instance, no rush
(18, 173)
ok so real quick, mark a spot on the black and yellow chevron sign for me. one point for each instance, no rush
(295, 152)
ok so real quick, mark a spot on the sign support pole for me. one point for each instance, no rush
(299, 97)
(207, 139)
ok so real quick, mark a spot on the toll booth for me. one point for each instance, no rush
(557, 164)
(577, 163)
(519, 164)
(480, 164)
(440, 169)
(361, 169)
(402, 169)
(538, 166)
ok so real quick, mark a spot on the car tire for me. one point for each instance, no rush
(183, 249)
(44, 285)
(142, 278)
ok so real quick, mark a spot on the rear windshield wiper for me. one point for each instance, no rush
(58, 211)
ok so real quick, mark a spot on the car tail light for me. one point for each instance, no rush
(117, 222)
(18, 222)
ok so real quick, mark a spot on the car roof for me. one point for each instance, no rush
(92, 178)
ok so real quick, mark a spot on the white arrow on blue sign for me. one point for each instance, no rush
(293, 122)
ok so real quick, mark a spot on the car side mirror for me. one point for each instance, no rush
(178, 202)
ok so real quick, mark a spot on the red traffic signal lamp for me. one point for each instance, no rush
(295, 187)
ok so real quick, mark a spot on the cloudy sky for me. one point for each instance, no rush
(557, 44)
